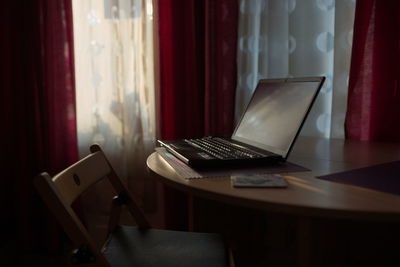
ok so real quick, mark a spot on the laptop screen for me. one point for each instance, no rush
(276, 113)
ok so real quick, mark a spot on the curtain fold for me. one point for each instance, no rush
(220, 68)
(197, 42)
(37, 113)
(374, 93)
(180, 37)
(197, 67)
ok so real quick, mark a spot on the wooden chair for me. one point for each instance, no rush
(126, 245)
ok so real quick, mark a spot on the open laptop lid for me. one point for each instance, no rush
(276, 113)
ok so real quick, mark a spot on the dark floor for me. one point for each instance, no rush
(10, 257)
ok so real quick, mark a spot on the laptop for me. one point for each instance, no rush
(266, 132)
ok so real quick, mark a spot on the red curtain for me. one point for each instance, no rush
(373, 110)
(197, 67)
(197, 75)
(37, 113)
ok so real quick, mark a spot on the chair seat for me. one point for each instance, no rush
(131, 246)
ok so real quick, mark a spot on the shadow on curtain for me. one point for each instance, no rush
(114, 65)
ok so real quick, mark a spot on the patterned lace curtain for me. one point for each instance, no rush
(115, 80)
(294, 38)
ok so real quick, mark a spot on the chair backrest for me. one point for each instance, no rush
(60, 191)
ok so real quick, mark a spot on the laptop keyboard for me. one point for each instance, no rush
(222, 149)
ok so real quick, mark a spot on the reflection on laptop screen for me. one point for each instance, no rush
(275, 113)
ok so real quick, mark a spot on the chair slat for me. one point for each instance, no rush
(74, 180)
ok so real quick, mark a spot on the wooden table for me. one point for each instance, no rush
(307, 198)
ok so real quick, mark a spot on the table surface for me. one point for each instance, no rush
(305, 195)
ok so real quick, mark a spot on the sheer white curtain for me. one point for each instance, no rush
(114, 67)
(293, 38)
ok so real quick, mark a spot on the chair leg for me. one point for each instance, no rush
(231, 260)
(114, 215)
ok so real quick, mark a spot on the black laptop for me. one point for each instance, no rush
(265, 133)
